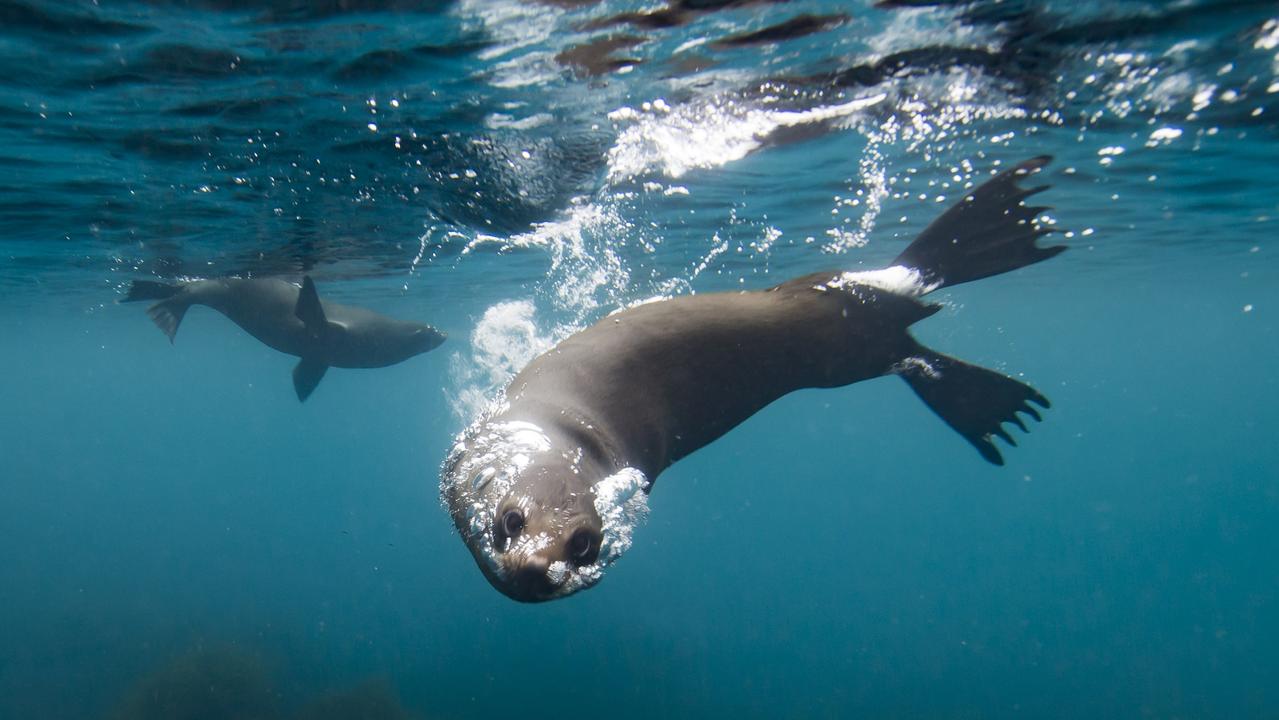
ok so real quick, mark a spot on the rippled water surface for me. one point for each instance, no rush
(183, 539)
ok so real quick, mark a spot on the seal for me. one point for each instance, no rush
(293, 320)
(547, 488)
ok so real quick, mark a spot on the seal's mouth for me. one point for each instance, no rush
(532, 571)
(529, 586)
(529, 576)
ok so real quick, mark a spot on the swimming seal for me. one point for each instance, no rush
(547, 488)
(293, 320)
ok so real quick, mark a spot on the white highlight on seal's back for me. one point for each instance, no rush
(897, 279)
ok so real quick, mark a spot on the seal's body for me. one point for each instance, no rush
(295, 321)
(546, 489)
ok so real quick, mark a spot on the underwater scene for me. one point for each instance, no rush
(639, 358)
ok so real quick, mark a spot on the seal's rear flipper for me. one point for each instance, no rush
(167, 315)
(306, 375)
(987, 233)
(972, 400)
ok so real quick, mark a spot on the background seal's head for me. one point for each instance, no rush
(542, 517)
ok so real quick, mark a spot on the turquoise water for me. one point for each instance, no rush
(183, 539)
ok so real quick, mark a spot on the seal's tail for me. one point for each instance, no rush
(974, 401)
(166, 314)
(987, 233)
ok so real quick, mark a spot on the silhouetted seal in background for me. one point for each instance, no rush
(293, 320)
(547, 488)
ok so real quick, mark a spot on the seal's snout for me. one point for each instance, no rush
(427, 338)
(530, 581)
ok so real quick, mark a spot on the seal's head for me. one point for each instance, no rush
(407, 339)
(542, 518)
(369, 340)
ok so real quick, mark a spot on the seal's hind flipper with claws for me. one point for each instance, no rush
(990, 231)
(976, 402)
(166, 314)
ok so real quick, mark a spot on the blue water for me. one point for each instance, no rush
(181, 538)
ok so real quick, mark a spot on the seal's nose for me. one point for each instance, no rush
(529, 581)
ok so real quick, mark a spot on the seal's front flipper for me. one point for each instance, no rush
(306, 376)
(972, 400)
(987, 233)
(309, 310)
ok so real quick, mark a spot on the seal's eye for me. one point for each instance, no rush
(512, 523)
(582, 547)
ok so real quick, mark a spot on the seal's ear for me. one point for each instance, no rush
(308, 309)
